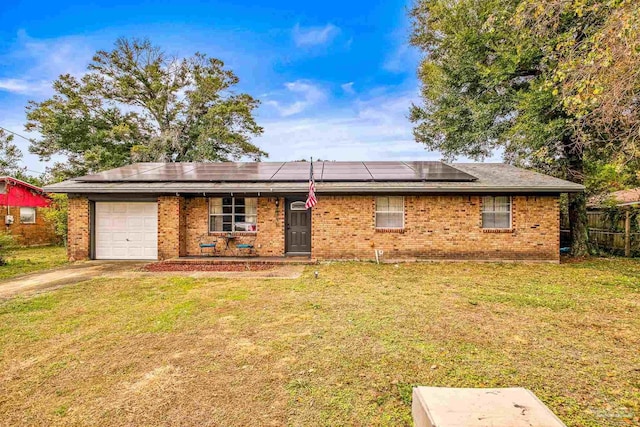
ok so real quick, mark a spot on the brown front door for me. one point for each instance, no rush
(298, 227)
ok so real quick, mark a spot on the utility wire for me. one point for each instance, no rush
(25, 138)
(18, 135)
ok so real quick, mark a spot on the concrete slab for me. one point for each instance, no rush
(67, 275)
(86, 270)
(480, 407)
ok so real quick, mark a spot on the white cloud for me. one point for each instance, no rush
(376, 128)
(348, 88)
(403, 59)
(25, 87)
(27, 68)
(313, 36)
(299, 96)
(36, 63)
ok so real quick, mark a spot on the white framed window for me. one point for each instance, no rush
(233, 214)
(496, 212)
(27, 215)
(390, 212)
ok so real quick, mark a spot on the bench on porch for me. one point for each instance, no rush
(245, 246)
(204, 246)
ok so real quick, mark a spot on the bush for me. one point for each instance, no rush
(56, 214)
(7, 243)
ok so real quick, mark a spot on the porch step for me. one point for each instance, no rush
(240, 260)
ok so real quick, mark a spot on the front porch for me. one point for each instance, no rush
(235, 229)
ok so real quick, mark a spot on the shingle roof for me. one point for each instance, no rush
(482, 178)
(620, 198)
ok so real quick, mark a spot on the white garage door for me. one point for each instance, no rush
(126, 230)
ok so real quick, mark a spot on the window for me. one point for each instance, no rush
(390, 212)
(298, 206)
(27, 215)
(233, 214)
(496, 212)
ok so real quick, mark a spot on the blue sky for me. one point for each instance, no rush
(336, 78)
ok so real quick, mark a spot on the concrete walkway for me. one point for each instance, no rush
(87, 270)
(73, 273)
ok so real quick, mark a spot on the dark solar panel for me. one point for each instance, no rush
(392, 171)
(298, 171)
(438, 171)
(122, 173)
(346, 171)
(281, 172)
(234, 172)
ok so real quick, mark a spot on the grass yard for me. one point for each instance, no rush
(28, 260)
(343, 349)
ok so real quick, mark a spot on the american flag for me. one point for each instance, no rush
(311, 199)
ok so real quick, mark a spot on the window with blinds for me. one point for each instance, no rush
(390, 212)
(496, 212)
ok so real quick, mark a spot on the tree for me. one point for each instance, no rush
(136, 103)
(10, 157)
(57, 215)
(596, 68)
(490, 81)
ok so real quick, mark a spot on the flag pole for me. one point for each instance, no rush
(311, 198)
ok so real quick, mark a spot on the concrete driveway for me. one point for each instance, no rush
(73, 273)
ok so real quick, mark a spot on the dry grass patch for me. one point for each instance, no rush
(342, 349)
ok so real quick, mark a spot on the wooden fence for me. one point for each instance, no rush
(620, 238)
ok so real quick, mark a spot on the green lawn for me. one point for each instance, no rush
(28, 260)
(343, 349)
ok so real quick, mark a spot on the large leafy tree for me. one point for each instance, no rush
(10, 157)
(136, 103)
(495, 76)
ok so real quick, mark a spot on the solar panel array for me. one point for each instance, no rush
(281, 172)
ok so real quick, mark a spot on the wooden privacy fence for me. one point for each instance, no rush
(615, 231)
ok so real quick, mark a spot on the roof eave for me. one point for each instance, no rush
(95, 189)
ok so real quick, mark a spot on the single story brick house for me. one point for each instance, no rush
(408, 210)
(23, 206)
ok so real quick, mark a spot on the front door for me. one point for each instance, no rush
(298, 227)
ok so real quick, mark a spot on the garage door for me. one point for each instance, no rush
(126, 230)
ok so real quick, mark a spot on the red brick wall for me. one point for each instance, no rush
(267, 241)
(40, 233)
(436, 227)
(78, 229)
(171, 227)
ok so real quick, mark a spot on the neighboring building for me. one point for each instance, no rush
(617, 198)
(409, 210)
(23, 205)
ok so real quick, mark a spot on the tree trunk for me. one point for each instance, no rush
(578, 230)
